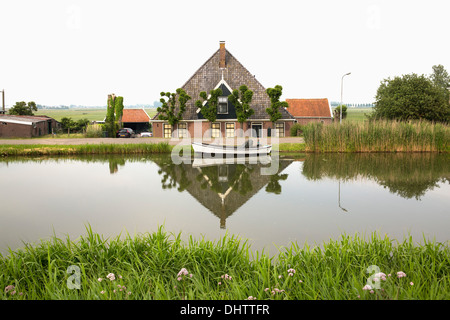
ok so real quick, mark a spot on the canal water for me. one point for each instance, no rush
(303, 198)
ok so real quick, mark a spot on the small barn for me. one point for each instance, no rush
(310, 110)
(12, 126)
(136, 119)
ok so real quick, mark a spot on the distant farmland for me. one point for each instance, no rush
(76, 114)
(353, 114)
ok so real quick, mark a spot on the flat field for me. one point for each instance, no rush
(76, 114)
(358, 114)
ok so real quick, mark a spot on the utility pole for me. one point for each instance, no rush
(3, 101)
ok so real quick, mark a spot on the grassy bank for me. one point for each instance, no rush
(377, 136)
(161, 266)
(83, 149)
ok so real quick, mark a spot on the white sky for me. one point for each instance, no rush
(64, 52)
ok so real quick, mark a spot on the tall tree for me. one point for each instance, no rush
(172, 109)
(118, 108)
(241, 100)
(275, 104)
(110, 116)
(23, 109)
(441, 79)
(209, 109)
(411, 97)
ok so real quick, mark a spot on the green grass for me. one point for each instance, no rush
(77, 114)
(358, 114)
(83, 149)
(147, 266)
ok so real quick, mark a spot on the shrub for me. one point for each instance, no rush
(296, 130)
(94, 131)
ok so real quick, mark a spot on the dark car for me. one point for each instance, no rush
(125, 133)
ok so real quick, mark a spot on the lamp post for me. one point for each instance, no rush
(3, 101)
(342, 89)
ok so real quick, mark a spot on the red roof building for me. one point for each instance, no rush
(310, 110)
(136, 119)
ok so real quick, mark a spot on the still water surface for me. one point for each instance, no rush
(310, 199)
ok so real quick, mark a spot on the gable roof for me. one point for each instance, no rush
(309, 108)
(209, 76)
(135, 115)
(27, 120)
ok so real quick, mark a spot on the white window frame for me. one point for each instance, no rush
(215, 130)
(219, 103)
(182, 132)
(228, 130)
(168, 126)
(277, 130)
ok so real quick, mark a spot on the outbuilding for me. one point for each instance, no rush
(12, 126)
(136, 119)
(310, 110)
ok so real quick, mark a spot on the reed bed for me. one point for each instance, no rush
(160, 266)
(84, 149)
(377, 136)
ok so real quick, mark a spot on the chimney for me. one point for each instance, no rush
(222, 55)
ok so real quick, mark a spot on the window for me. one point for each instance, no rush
(230, 130)
(215, 130)
(167, 130)
(182, 130)
(279, 128)
(223, 105)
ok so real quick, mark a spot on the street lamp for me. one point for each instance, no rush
(342, 88)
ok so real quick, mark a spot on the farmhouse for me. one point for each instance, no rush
(310, 110)
(223, 70)
(12, 126)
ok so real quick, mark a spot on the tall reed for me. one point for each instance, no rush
(377, 136)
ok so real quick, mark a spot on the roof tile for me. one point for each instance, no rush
(309, 107)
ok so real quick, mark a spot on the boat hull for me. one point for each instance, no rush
(213, 150)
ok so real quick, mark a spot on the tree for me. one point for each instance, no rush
(110, 116)
(241, 100)
(337, 112)
(275, 103)
(440, 77)
(23, 109)
(208, 107)
(170, 110)
(411, 97)
(118, 108)
(68, 124)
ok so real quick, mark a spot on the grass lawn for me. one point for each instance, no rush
(76, 114)
(358, 114)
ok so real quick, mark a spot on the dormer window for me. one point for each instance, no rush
(222, 107)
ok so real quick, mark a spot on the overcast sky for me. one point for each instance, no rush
(64, 52)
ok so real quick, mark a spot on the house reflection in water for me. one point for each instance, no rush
(221, 186)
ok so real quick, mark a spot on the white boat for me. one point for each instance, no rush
(246, 149)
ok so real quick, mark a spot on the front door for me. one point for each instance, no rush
(256, 130)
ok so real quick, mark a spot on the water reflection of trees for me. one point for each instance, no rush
(410, 175)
